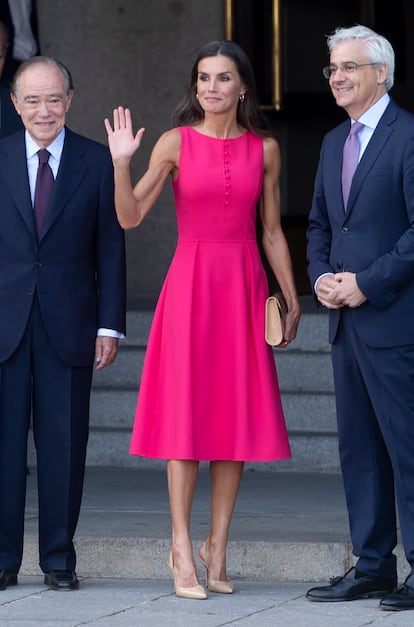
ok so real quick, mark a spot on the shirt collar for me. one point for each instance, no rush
(55, 148)
(371, 117)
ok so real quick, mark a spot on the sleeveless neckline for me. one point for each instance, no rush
(220, 139)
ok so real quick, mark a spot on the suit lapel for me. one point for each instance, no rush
(72, 170)
(375, 145)
(13, 165)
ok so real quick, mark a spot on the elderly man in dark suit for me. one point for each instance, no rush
(62, 307)
(361, 265)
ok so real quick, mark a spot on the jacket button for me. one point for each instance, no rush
(345, 230)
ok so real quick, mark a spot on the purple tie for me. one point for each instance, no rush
(43, 191)
(350, 159)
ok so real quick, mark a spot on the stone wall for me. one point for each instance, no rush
(137, 53)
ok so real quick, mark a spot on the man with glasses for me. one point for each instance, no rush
(361, 266)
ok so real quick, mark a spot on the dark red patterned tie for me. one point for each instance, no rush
(43, 191)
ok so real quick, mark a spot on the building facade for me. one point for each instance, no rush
(139, 54)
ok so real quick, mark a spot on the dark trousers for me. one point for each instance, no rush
(35, 383)
(375, 411)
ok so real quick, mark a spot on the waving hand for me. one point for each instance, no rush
(121, 140)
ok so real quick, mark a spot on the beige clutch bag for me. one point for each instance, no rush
(275, 315)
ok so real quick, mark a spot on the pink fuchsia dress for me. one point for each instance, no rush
(209, 388)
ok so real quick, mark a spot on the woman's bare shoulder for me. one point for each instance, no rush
(271, 144)
(271, 151)
(167, 147)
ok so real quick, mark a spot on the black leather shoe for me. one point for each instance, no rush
(353, 585)
(62, 580)
(402, 598)
(7, 579)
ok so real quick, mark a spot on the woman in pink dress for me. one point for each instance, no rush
(209, 388)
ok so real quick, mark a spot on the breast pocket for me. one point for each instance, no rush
(382, 171)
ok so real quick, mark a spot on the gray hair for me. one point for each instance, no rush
(379, 49)
(40, 60)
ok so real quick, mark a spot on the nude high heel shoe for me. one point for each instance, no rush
(195, 592)
(215, 585)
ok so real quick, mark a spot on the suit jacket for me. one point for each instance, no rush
(77, 268)
(375, 236)
(10, 120)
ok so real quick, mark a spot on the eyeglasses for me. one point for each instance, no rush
(346, 68)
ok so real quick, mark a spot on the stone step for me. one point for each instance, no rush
(312, 333)
(311, 452)
(305, 379)
(309, 412)
(286, 527)
(297, 370)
